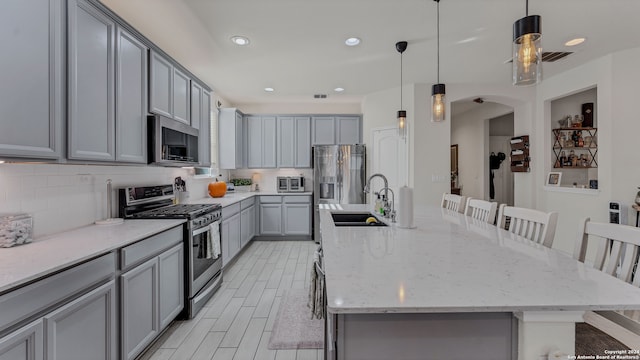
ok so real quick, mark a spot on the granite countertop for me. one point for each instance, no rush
(234, 197)
(452, 263)
(46, 255)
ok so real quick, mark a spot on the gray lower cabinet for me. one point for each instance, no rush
(23, 344)
(151, 293)
(247, 225)
(32, 101)
(131, 99)
(91, 124)
(231, 237)
(161, 85)
(288, 215)
(171, 284)
(140, 323)
(84, 328)
(294, 141)
(181, 97)
(261, 141)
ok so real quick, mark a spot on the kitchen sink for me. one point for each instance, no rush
(354, 219)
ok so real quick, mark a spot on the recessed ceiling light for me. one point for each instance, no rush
(574, 42)
(269, 89)
(240, 40)
(338, 89)
(352, 41)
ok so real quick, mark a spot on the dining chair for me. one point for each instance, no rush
(617, 249)
(482, 210)
(453, 202)
(535, 225)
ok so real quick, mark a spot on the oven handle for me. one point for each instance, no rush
(201, 230)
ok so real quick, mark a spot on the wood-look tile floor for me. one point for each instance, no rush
(237, 322)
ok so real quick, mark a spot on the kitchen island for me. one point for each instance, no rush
(455, 288)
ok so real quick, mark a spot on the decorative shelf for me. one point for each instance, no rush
(572, 190)
(562, 145)
(520, 154)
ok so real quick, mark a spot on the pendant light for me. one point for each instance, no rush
(527, 52)
(438, 90)
(401, 46)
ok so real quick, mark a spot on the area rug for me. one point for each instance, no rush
(293, 327)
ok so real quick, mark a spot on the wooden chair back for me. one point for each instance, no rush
(482, 210)
(453, 202)
(535, 225)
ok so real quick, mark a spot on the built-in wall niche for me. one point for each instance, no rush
(574, 139)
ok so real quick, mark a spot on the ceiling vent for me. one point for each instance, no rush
(320, 96)
(549, 56)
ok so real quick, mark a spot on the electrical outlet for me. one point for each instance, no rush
(84, 179)
(439, 178)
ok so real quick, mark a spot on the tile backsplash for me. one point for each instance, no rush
(62, 197)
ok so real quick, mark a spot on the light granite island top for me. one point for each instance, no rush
(451, 265)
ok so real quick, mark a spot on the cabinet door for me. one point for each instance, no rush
(196, 105)
(234, 235)
(302, 137)
(181, 103)
(239, 143)
(254, 141)
(139, 308)
(348, 130)
(171, 284)
(91, 125)
(161, 86)
(23, 344)
(252, 222)
(297, 219)
(270, 219)
(286, 143)
(131, 99)
(248, 225)
(32, 101)
(324, 130)
(224, 242)
(269, 137)
(205, 130)
(84, 328)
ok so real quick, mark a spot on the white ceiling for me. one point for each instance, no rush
(297, 46)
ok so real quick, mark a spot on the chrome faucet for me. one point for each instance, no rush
(386, 189)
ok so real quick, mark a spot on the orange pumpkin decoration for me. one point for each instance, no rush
(217, 189)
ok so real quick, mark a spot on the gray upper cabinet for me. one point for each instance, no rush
(261, 141)
(230, 139)
(205, 129)
(348, 130)
(161, 85)
(196, 105)
(131, 99)
(32, 101)
(91, 125)
(294, 145)
(324, 130)
(181, 98)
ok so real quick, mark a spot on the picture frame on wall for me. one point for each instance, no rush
(554, 178)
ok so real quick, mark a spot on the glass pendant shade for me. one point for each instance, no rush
(527, 51)
(402, 124)
(438, 103)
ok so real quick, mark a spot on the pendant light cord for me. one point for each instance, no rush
(526, 10)
(401, 82)
(438, 38)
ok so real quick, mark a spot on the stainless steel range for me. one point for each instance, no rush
(203, 269)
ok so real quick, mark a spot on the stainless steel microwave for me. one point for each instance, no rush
(172, 143)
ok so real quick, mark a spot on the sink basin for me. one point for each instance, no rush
(354, 219)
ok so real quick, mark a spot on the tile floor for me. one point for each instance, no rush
(237, 322)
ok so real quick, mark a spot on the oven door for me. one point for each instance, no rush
(203, 267)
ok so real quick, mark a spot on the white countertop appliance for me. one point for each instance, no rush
(290, 183)
(203, 271)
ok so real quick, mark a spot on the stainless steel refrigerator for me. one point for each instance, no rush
(338, 178)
